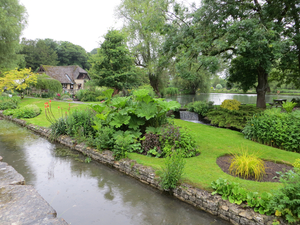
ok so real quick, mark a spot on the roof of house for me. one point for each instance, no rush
(65, 74)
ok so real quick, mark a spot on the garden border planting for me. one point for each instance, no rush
(215, 205)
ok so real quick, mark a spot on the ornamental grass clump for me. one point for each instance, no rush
(247, 165)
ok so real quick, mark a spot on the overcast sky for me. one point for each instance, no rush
(80, 22)
(83, 22)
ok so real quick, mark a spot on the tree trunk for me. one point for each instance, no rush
(261, 88)
(116, 91)
(154, 82)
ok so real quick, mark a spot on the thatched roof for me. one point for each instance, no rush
(64, 74)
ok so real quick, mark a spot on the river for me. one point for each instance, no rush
(90, 193)
(218, 98)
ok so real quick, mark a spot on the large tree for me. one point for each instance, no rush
(143, 21)
(244, 33)
(12, 22)
(286, 14)
(36, 53)
(70, 54)
(113, 65)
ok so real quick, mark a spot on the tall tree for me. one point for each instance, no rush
(286, 14)
(143, 21)
(12, 22)
(245, 33)
(36, 53)
(70, 54)
(113, 65)
(191, 67)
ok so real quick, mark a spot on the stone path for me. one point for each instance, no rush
(22, 204)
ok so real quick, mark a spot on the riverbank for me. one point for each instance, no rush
(199, 198)
(22, 204)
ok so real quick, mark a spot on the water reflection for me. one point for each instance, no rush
(90, 193)
(218, 98)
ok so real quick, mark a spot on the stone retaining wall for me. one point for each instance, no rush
(213, 204)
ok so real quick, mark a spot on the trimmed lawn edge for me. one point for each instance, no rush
(201, 199)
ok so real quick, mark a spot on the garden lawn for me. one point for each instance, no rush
(41, 120)
(214, 142)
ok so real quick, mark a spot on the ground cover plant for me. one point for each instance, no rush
(232, 115)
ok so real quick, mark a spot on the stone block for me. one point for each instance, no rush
(9, 176)
(22, 204)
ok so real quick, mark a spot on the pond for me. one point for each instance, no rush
(218, 98)
(90, 193)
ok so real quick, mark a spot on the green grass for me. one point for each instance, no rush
(214, 142)
(40, 102)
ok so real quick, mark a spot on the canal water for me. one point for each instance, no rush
(90, 193)
(218, 98)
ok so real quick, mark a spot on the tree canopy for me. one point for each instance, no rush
(143, 22)
(70, 54)
(17, 80)
(36, 53)
(12, 22)
(55, 53)
(247, 34)
(113, 65)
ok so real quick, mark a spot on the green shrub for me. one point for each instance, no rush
(174, 138)
(92, 95)
(232, 118)
(171, 91)
(77, 123)
(47, 95)
(126, 142)
(104, 138)
(28, 111)
(231, 104)
(246, 164)
(80, 121)
(275, 128)
(151, 145)
(296, 164)
(9, 103)
(289, 106)
(200, 107)
(219, 86)
(296, 100)
(59, 127)
(172, 171)
(286, 200)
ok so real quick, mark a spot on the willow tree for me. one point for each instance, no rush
(144, 21)
(12, 22)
